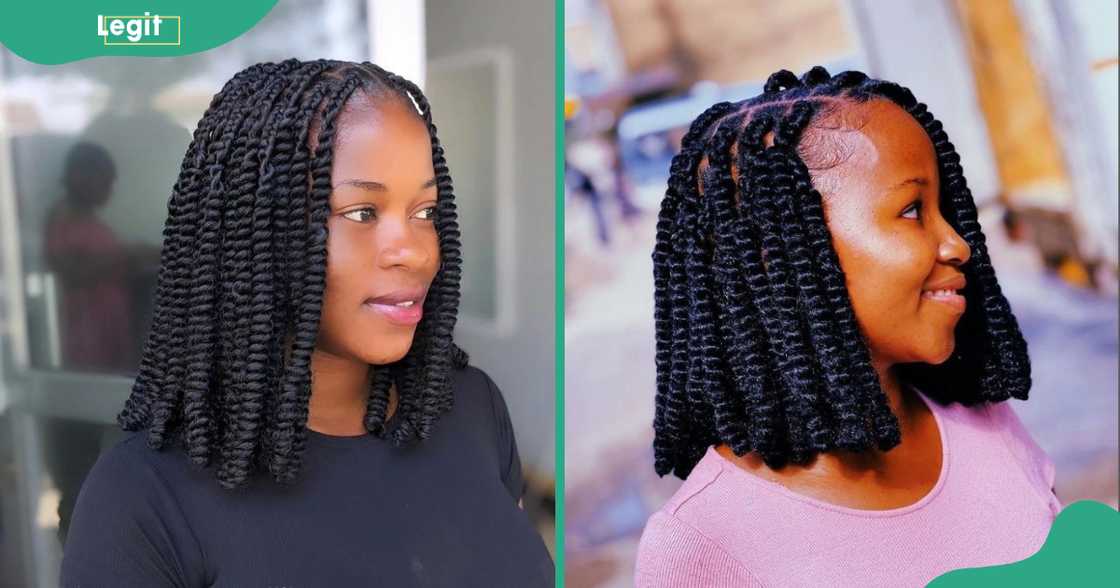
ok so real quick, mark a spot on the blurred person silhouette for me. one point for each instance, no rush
(594, 171)
(580, 184)
(91, 264)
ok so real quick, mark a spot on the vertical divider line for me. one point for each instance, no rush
(559, 238)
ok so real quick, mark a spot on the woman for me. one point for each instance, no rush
(833, 352)
(301, 354)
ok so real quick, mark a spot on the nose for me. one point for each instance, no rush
(399, 246)
(953, 249)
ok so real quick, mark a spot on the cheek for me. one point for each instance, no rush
(347, 329)
(344, 267)
(884, 272)
(429, 242)
(338, 307)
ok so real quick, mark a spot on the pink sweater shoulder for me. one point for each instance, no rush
(1036, 464)
(992, 504)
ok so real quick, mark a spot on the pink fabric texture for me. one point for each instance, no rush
(992, 504)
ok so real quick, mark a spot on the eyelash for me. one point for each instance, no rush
(430, 216)
(915, 206)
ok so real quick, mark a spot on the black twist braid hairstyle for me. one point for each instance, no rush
(225, 372)
(758, 346)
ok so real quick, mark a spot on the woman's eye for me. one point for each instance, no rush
(428, 213)
(913, 210)
(360, 215)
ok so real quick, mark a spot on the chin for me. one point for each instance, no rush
(385, 357)
(941, 355)
(385, 352)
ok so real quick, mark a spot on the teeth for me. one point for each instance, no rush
(405, 304)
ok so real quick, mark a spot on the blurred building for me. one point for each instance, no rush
(76, 289)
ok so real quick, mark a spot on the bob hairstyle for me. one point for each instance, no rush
(757, 343)
(225, 371)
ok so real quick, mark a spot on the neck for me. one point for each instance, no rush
(339, 391)
(899, 398)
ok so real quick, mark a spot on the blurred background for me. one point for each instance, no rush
(1027, 91)
(88, 154)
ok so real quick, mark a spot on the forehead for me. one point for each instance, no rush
(876, 143)
(380, 136)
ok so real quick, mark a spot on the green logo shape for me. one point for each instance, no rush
(62, 31)
(1080, 550)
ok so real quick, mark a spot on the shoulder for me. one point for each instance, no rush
(133, 478)
(477, 394)
(1027, 452)
(471, 379)
(482, 411)
(703, 481)
(128, 522)
(996, 424)
(131, 460)
(673, 552)
(685, 543)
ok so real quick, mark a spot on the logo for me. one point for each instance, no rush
(150, 29)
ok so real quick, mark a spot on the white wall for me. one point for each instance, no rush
(519, 356)
(917, 43)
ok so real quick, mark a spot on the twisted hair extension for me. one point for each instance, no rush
(670, 418)
(758, 346)
(705, 366)
(226, 366)
(748, 342)
(179, 225)
(719, 195)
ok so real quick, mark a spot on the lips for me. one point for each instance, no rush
(947, 292)
(404, 307)
(954, 283)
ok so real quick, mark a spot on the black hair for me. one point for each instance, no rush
(88, 173)
(87, 157)
(226, 368)
(758, 346)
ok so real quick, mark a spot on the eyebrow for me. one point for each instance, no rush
(916, 181)
(373, 186)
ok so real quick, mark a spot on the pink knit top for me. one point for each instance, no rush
(993, 503)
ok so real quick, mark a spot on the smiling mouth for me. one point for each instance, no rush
(406, 313)
(404, 308)
(947, 297)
